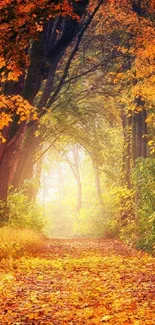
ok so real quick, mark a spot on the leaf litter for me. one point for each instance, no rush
(79, 281)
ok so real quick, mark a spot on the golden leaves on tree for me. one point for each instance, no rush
(10, 105)
(20, 24)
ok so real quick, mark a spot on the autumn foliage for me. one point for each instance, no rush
(21, 23)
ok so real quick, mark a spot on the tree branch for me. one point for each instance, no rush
(75, 49)
(53, 142)
(86, 72)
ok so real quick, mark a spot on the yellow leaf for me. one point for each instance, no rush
(106, 318)
(152, 151)
(150, 143)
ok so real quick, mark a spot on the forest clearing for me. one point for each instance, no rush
(79, 281)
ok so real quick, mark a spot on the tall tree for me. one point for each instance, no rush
(45, 53)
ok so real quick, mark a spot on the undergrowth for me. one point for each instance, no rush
(19, 242)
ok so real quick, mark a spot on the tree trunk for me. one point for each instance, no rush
(126, 124)
(78, 177)
(98, 184)
(74, 165)
(17, 160)
(139, 134)
(10, 157)
(128, 150)
(60, 181)
(25, 166)
(124, 149)
(79, 194)
(134, 133)
(144, 134)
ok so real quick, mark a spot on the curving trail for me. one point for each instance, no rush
(79, 281)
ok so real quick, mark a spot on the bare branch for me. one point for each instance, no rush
(86, 72)
(53, 142)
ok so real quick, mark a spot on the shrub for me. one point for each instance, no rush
(93, 222)
(3, 213)
(143, 178)
(23, 212)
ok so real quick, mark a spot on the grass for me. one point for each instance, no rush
(19, 242)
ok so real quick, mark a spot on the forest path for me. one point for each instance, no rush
(79, 281)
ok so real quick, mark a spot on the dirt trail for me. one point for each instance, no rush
(79, 282)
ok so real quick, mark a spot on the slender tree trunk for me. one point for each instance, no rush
(126, 124)
(79, 194)
(144, 133)
(60, 181)
(139, 134)
(134, 133)
(128, 150)
(74, 165)
(78, 178)
(98, 184)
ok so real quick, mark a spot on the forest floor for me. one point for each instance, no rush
(78, 281)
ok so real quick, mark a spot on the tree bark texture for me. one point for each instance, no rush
(139, 134)
(24, 169)
(10, 158)
(135, 140)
